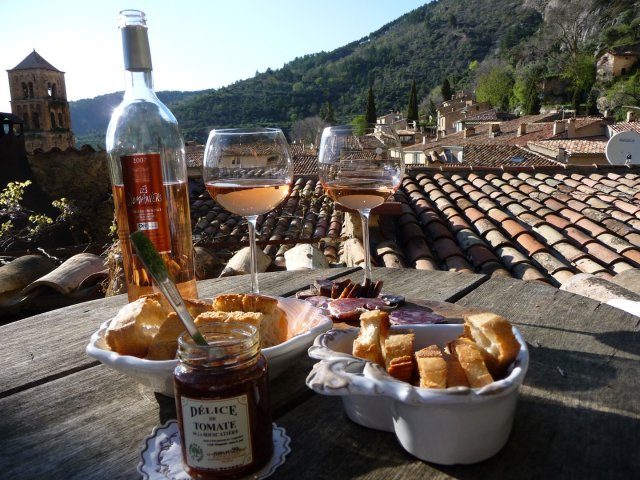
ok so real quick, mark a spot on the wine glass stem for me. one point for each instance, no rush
(364, 215)
(251, 220)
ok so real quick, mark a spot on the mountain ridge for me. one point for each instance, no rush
(441, 39)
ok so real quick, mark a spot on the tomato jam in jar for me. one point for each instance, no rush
(223, 402)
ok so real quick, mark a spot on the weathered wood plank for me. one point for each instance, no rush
(587, 444)
(423, 284)
(52, 343)
(99, 418)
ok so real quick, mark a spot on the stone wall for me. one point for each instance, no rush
(81, 176)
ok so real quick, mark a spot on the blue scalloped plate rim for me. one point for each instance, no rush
(161, 459)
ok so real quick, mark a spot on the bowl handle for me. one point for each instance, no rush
(345, 375)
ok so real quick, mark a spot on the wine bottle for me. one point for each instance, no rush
(148, 170)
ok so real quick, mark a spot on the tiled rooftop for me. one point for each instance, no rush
(502, 155)
(592, 145)
(545, 223)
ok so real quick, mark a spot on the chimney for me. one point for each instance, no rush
(571, 128)
(494, 130)
(522, 129)
(558, 127)
(469, 132)
(631, 116)
(562, 155)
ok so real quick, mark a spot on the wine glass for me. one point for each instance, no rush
(248, 171)
(360, 166)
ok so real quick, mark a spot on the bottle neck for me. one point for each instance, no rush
(137, 83)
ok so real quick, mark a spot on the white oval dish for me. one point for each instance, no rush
(449, 426)
(305, 322)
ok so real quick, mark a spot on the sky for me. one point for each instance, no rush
(195, 44)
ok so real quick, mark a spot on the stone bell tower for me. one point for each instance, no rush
(39, 97)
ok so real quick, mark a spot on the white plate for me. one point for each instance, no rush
(161, 457)
(305, 322)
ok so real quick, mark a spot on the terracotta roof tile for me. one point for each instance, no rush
(602, 254)
(570, 252)
(548, 262)
(579, 236)
(590, 227)
(511, 256)
(496, 239)
(459, 264)
(587, 265)
(480, 254)
(513, 228)
(550, 235)
(445, 248)
(530, 244)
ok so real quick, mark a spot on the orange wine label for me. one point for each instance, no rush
(145, 198)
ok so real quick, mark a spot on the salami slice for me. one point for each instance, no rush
(414, 316)
(348, 309)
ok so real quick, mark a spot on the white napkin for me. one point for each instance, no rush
(628, 306)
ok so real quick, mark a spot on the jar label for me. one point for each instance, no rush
(145, 199)
(216, 432)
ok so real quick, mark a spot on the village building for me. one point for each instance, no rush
(612, 63)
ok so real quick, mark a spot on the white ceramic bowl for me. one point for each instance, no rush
(305, 322)
(451, 426)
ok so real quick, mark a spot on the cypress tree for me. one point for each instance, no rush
(446, 90)
(327, 114)
(412, 110)
(371, 116)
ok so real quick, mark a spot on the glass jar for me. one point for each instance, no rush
(223, 402)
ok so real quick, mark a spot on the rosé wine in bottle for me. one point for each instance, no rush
(148, 170)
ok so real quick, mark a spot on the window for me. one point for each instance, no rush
(51, 89)
(36, 121)
(30, 90)
(52, 117)
(25, 90)
(60, 120)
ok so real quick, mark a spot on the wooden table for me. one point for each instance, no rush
(65, 416)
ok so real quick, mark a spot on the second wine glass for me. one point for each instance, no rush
(249, 172)
(360, 166)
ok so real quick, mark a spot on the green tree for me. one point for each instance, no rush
(532, 103)
(412, 109)
(327, 114)
(581, 72)
(371, 116)
(446, 90)
(495, 87)
(625, 91)
(592, 108)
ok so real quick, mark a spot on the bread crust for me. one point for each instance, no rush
(271, 327)
(456, 377)
(494, 337)
(401, 368)
(432, 368)
(132, 329)
(164, 344)
(471, 361)
(374, 330)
